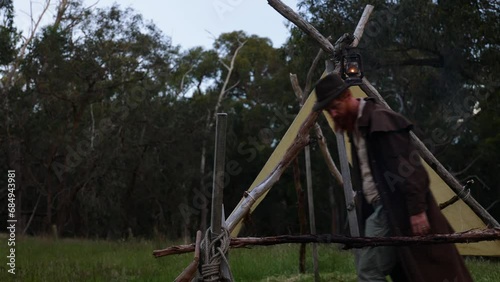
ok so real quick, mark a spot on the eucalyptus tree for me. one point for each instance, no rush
(13, 49)
(92, 81)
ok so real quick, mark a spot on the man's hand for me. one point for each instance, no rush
(420, 224)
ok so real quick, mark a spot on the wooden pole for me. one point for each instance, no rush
(471, 236)
(301, 213)
(218, 177)
(312, 217)
(360, 28)
(348, 191)
(298, 186)
(310, 195)
(218, 189)
(190, 272)
(289, 14)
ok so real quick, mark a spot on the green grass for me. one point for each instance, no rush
(42, 259)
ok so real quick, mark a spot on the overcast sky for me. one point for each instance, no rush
(190, 23)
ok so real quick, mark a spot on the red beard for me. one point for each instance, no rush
(345, 123)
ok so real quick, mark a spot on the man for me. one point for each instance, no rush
(393, 196)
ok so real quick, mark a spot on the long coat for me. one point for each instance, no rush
(403, 185)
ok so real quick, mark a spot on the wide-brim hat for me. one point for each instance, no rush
(329, 88)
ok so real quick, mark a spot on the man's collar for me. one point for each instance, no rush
(361, 106)
(364, 119)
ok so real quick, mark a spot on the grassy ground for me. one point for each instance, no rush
(39, 259)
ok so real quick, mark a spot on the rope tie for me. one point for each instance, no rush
(464, 194)
(247, 194)
(214, 253)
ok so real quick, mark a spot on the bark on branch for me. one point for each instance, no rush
(310, 30)
(190, 271)
(360, 28)
(327, 156)
(471, 236)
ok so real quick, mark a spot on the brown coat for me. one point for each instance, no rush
(403, 185)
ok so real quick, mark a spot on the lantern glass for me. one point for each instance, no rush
(352, 68)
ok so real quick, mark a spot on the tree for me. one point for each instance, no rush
(90, 82)
(8, 33)
(11, 85)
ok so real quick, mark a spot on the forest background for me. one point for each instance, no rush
(110, 127)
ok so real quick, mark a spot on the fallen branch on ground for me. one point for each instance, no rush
(471, 236)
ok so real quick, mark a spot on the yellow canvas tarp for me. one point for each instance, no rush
(460, 215)
(278, 153)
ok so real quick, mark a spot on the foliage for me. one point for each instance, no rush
(8, 33)
(45, 259)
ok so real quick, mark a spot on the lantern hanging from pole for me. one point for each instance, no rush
(352, 68)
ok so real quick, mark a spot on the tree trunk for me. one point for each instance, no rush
(48, 218)
(333, 208)
(204, 208)
(15, 163)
